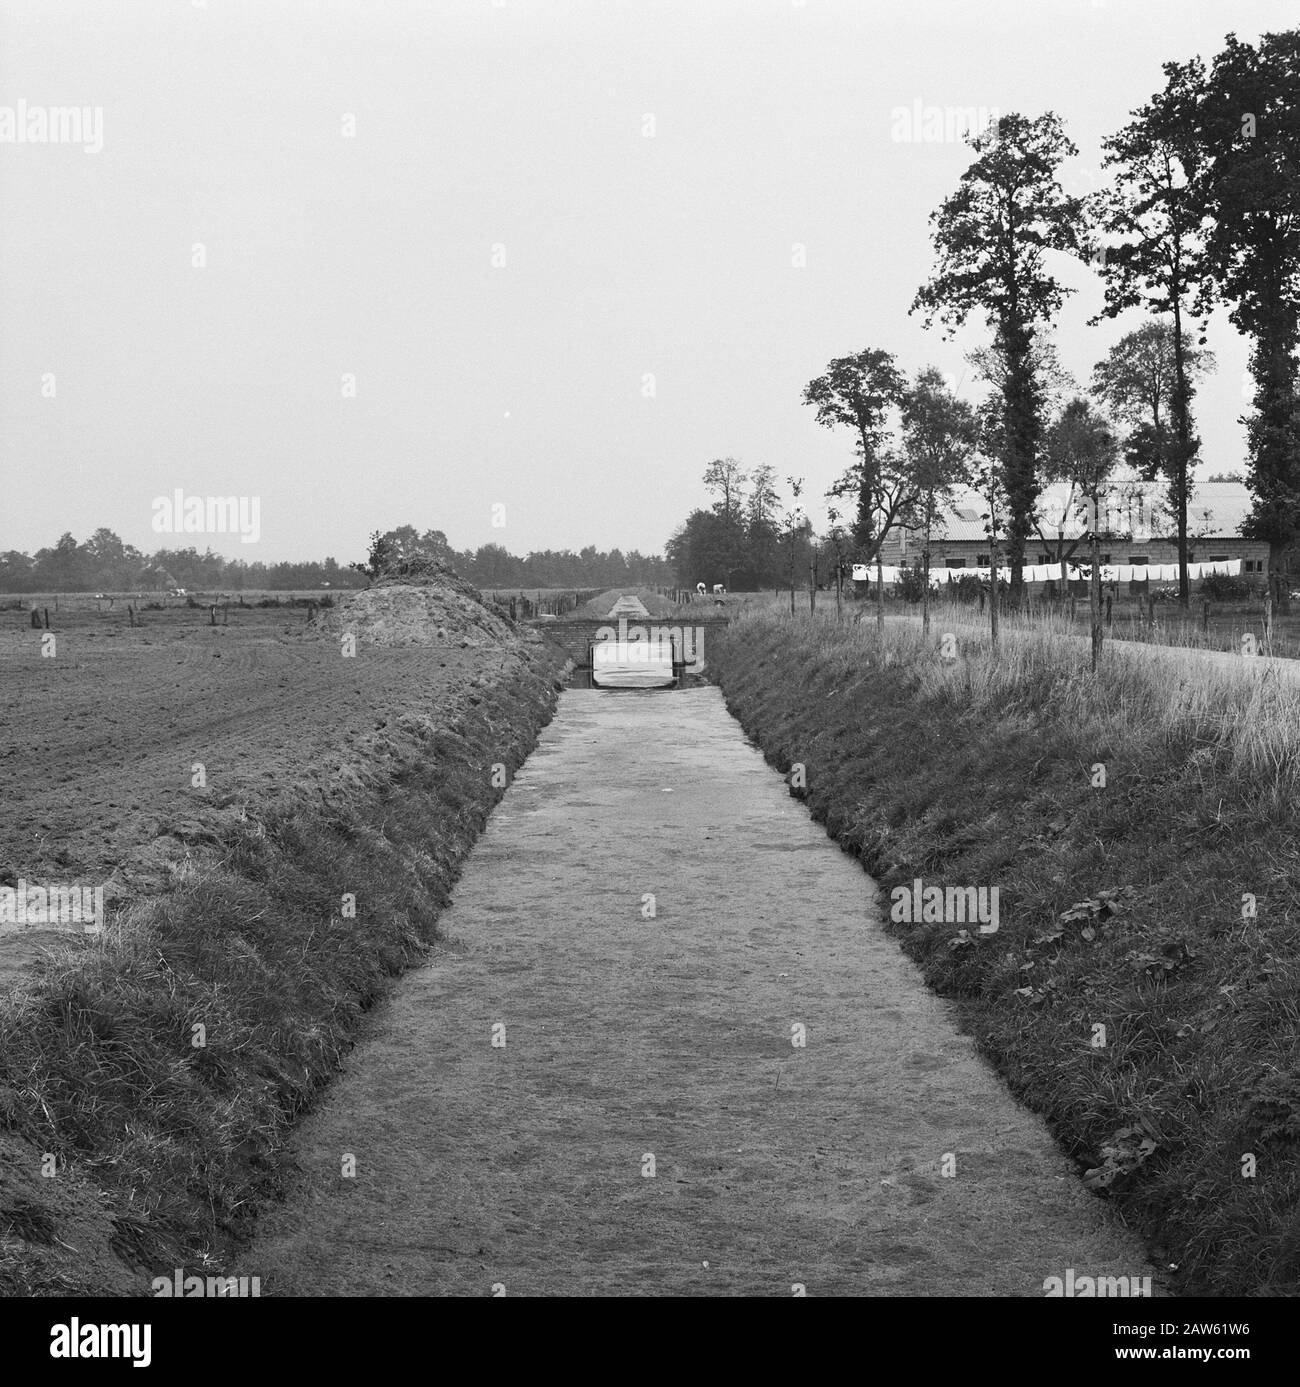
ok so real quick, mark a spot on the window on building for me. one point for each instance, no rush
(1137, 558)
(1218, 558)
(982, 560)
(1044, 558)
(956, 563)
(1105, 558)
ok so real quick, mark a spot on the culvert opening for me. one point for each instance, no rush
(657, 662)
(627, 647)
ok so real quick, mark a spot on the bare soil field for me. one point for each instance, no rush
(98, 742)
(266, 904)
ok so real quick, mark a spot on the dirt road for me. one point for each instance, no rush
(1232, 663)
(650, 1125)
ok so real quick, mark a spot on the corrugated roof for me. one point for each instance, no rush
(959, 529)
(1216, 510)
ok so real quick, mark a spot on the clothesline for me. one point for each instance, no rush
(1051, 572)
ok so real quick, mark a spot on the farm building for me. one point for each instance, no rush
(1136, 526)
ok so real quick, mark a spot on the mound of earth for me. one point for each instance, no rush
(418, 604)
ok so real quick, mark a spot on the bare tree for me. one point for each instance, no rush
(795, 523)
(1082, 448)
(939, 437)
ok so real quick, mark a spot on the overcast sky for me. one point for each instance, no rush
(647, 172)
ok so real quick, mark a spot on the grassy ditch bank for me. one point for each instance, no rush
(1140, 825)
(147, 1081)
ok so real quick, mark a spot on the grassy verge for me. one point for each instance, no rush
(1125, 905)
(146, 1083)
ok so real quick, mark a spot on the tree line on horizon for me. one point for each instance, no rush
(747, 539)
(492, 567)
(103, 563)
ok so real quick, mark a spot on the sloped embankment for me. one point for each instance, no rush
(146, 1084)
(1140, 991)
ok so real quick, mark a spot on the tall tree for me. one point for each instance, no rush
(762, 533)
(726, 479)
(859, 392)
(701, 549)
(1141, 381)
(1248, 123)
(991, 237)
(1155, 258)
(65, 567)
(863, 393)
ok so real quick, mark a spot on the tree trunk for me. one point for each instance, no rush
(1182, 451)
(925, 583)
(1094, 592)
(993, 595)
(1273, 434)
(1021, 430)
(880, 598)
